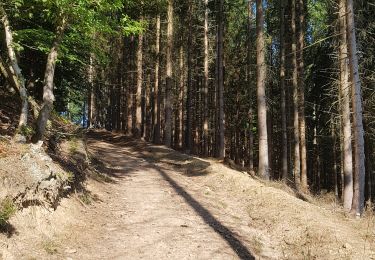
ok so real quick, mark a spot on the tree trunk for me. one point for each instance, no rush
(301, 90)
(345, 110)
(263, 170)
(284, 156)
(48, 96)
(169, 79)
(189, 94)
(137, 131)
(147, 110)
(220, 56)
(14, 68)
(297, 152)
(91, 96)
(359, 143)
(206, 81)
(156, 86)
(11, 79)
(181, 99)
(250, 84)
(334, 155)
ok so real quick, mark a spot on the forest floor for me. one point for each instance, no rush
(150, 202)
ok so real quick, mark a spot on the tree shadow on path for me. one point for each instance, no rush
(240, 249)
(143, 151)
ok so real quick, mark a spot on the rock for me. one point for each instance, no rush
(70, 251)
(48, 184)
(26, 157)
(36, 148)
(45, 158)
(20, 139)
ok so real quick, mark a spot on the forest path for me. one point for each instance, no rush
(151, 202)
(152, 210)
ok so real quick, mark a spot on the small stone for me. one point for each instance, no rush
(70, 251)
(26, 157)
(36, 148)
(20, 139)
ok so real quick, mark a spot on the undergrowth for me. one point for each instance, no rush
(7, 210)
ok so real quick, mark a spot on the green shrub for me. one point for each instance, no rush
(7, 210)
(26, 131)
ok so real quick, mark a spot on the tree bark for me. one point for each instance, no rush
(249, 79)
(169, 79)
(48, 96)
(297, 151)
(301, 94)
(206, 81)
(220, 56)
(91, 96)
(14, 68)
(359, 143)
(11, 79)
(263, 170)
(284, 156)
(189, 94)
(137, 131)
(180, 126)
(345, 110)
(156, 86)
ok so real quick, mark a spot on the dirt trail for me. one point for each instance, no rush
(161, 204)
(149, 214)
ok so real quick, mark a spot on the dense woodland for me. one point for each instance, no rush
(283, 89)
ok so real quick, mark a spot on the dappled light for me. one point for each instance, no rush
(184, 129)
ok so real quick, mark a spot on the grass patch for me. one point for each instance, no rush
(50, 247)
(26, 131)
(73, 145)
(7, 210)
(87, 197)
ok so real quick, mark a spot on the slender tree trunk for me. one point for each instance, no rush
(188, 134)
(206, 81)
(48, 96)
(147, 110)
(301, 89)
(14, 68)
(91, 96)
(284, 156)
(137, 131)
(12, 83)
(181, 99)
(261, 94)
(169, 79)
(359, 143)
(334, 155)
(221, 123)
(369, 152)
(249, 79)
(297, 152)
(156, 87)
(130, 89)
(345, 110)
